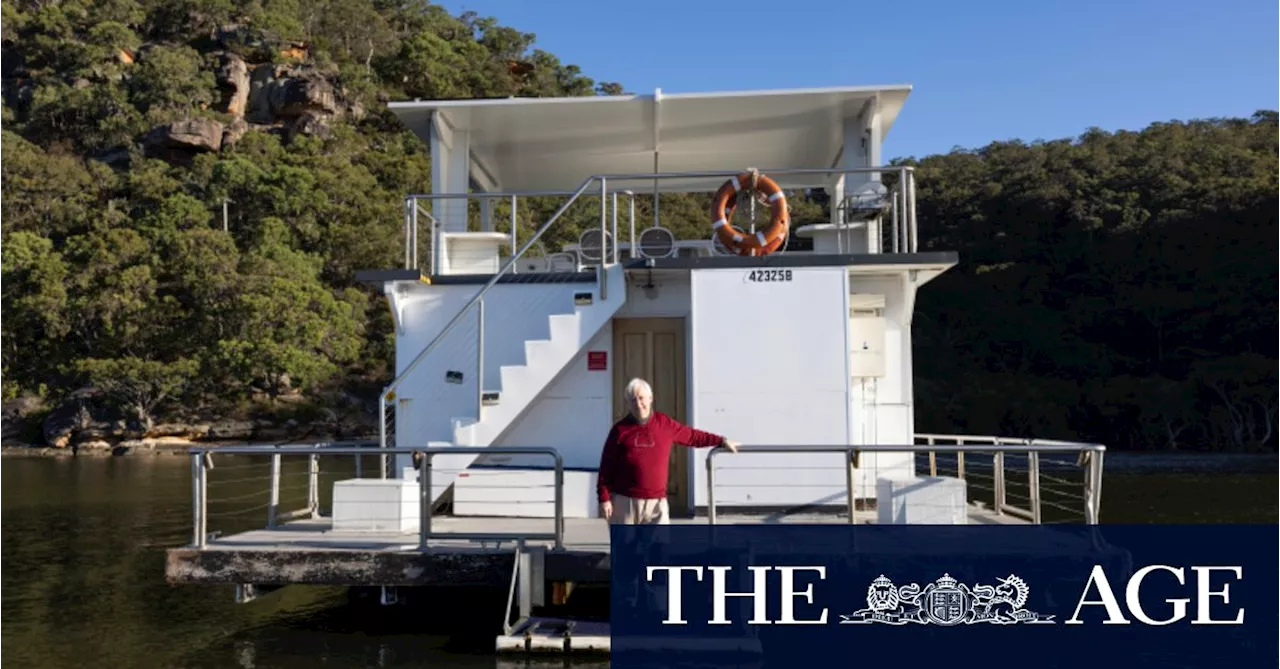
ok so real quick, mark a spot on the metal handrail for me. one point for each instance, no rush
(200, 466)
(904, 197)
(1091, 459)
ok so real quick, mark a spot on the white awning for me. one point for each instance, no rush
(541, 144)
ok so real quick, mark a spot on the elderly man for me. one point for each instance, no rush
(632, 484)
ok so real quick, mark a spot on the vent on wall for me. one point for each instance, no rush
(657, 243)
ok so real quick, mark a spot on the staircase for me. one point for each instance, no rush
(521, 385)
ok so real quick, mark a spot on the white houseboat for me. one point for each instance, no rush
(515, 338)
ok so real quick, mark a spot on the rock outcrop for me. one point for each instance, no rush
(285, 95)
(175, 141)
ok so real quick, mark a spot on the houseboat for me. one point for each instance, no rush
(549, 264)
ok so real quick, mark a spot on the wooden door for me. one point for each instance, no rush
(653, 349)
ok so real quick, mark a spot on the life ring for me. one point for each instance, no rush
(763, 242)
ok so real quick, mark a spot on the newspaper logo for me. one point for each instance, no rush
(947, 602)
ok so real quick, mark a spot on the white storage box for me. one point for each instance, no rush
(375, 505)
(940, 500)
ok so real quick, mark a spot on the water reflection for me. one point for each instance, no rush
(83, 575)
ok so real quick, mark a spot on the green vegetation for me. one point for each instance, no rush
(1116, 288)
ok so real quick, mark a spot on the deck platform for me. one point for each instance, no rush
(310, 552)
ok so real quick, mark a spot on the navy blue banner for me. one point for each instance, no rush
(944, 596)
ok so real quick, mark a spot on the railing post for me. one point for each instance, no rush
(848, 469)
(382, 434)
(197, 505)
(711, 487)
(434, 249)
(424, 502)
(1033, 481)
(559, 502)
(479, 359)
(906, 211)
(999, 480)
(1092, 485)
(897, 243)
(273, 504)
(205, 459)
(604, 218)
(915, 229)
(414, 218)
(408, 225)
(634, 243)
(514, 225)
(313, 485)
(615, 228)
(1097, 487)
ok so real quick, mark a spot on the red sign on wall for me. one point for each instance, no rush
(597, 360)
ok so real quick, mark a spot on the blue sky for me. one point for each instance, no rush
(980, 71)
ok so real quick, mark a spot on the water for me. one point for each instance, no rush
(83, 570)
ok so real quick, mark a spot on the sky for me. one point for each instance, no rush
(980, 71)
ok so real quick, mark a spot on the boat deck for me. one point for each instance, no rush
(311, 552)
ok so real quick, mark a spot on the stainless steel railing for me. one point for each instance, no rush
(1089, 458)
(902, 236)
(202, 463)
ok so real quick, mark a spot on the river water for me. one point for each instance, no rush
(83, 570)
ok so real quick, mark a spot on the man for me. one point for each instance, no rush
(632, 484)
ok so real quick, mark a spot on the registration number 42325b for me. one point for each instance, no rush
(768, 275)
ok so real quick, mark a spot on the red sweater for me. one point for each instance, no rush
(635, 457)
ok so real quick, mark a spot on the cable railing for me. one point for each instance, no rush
(896, 203)
(271, 487)
(1081, 498)
(248, 485)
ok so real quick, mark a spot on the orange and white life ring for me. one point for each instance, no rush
(763, 242)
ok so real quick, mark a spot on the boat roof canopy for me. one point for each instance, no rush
(550, 144)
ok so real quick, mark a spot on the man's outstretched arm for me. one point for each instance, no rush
(695, 438)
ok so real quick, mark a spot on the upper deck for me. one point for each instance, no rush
(605, 170)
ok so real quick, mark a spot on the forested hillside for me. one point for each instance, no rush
(1115, 287)
(128, 124)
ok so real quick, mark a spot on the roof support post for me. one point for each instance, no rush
(861, 149)
(450, 172)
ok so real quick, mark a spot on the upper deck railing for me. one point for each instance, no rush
(889, 211)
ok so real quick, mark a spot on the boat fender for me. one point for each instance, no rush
(763, 242)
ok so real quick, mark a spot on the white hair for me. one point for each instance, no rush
(637, 384)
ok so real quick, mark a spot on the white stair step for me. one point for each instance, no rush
(537, 349)
(515, 379)
(565, 329)
(463, 429)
